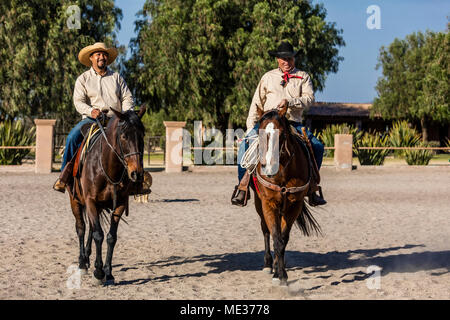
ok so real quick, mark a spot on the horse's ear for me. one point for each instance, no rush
(282, 111)
(118, 114)
(260, 112)
(141, 111)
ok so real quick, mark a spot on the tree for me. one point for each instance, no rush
(202, 59)
(39, 53)
(414, 85)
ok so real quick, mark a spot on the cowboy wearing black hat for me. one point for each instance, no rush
(285, 85)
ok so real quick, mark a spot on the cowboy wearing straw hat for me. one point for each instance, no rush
(285, 85)
(96, 90)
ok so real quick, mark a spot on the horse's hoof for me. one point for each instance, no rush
(276, 281)
(267, 270)
(83, 271)
(97, 282)
(109, 281)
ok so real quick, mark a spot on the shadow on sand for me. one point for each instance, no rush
(316, 264)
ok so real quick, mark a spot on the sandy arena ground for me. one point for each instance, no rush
(188, 242)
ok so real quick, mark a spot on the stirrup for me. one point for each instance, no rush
(236, 191)
(322, 201)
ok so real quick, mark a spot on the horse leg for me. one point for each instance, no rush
(278, 248)
(98, 236)
(80, 228)
(111, 240)
(89, 246)
(268, 260)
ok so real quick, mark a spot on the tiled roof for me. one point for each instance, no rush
(338, 109)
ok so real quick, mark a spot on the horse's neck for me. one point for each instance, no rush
(292, 165)
(111, 163)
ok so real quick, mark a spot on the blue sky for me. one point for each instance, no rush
(356, 79)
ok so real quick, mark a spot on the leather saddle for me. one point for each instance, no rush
(91, 135)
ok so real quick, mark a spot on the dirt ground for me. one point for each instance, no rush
(188, 242)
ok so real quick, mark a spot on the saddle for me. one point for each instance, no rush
(91, 134)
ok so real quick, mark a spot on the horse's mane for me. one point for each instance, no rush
(273, 115)
(131, 121)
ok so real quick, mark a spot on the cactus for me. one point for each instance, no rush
(14, 133)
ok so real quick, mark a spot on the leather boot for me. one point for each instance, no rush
(316, 199)
(141, 188)
(59, 186)
(240, 197)
(241, 193)
(66, 174)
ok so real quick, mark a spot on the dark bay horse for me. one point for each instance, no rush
(109, 169)
(279, 196)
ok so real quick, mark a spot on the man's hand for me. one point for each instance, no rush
(283, 103)
(95, 113)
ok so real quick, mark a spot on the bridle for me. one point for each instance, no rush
(120, 156)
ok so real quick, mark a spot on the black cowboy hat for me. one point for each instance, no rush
(284, 50)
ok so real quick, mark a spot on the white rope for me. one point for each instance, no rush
(251, 157)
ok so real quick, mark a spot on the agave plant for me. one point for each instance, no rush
(14, 133)
(419, 157)
(371, 156)
(327, 135)
(401, 135)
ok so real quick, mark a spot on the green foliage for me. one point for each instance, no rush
(327, 135)
(419, 157)
(14, 134)
(153, 123)
(415, 82)
(371, 157)
(38, 55)
(203, 59)
(402, 135)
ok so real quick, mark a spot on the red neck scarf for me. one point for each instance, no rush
(287, 76)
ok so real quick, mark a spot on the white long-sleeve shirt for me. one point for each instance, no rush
(270, 92)
(93, 91)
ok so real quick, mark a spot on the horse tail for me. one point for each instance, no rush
(306, 222)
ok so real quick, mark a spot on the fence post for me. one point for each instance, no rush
(174, 145)
(44, 145)
(343, 144)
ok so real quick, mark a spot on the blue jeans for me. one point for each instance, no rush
(74, 140)
(318, 147)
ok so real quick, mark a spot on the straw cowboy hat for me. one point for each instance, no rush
(284, 50)
(86, 52)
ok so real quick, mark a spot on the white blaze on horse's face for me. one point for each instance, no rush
(269, 150)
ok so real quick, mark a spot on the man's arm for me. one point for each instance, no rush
(259, 98)
(126, 98)
(80, 99)
(307, 97)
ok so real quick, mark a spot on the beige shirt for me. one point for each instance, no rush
(101, 92)
(270, 92)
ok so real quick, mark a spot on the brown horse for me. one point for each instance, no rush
(279, 196)
(110, 168)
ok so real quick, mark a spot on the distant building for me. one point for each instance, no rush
(322, 114)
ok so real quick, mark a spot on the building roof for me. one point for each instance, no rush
(340, 109)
